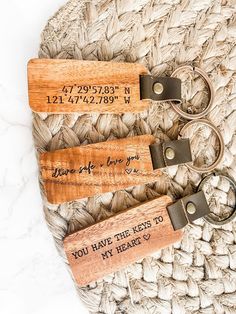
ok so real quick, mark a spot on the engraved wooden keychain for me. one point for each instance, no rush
(133, 234)
(65, 86)
(84, 171)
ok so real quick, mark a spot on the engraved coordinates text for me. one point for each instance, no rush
(90, 95)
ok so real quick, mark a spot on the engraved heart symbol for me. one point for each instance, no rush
(146, 236)
(128, 170)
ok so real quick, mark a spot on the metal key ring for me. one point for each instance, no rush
(221, 144)
(209, 218)
(205, 77)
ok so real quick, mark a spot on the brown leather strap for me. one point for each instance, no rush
(188, 209)
(170, 153)
(160, 88)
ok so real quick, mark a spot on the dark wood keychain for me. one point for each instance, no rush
(131, 235)
(126, 237)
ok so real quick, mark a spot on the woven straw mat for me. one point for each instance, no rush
(197, 275)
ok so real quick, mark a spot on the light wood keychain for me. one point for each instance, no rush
(65, 86)
(84, 171)
(131, 235)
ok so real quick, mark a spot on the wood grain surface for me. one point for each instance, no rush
(120, 240)
(65, 86)
(84, 171)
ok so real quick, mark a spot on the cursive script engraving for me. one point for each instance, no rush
(59, 172)
(130, 158)
(88, 168)
(131, 170)
(114, 162)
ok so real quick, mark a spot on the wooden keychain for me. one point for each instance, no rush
(66, 86)
(133, 234)
(84, 171)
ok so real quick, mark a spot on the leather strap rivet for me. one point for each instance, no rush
(170, 153)
(158, 88)
(191, 208)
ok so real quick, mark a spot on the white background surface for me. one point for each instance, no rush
(33, 279)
